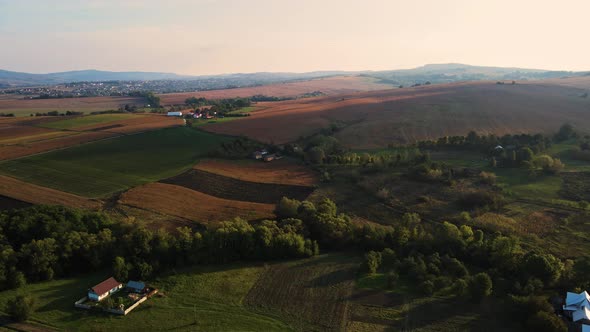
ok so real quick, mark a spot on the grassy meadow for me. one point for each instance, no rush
(194, 299)
(102, 168)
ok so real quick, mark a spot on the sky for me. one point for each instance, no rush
(200, 37)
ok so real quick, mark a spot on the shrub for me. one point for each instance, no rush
(487, 178)
(480, 286)
(544, 321)
(372, 261)
(21, 307)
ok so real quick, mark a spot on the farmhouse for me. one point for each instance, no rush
(135, 286)
(174, 114)
(104, 289)
(577, 307)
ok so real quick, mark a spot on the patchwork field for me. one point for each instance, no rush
(24, 107)
(33, 194)
(328, 86)
(193, 205)
(283, 171)
(101, 168)
(233, 189)
(23, 137)
(376, 119)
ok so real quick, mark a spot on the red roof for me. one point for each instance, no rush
(105, 286)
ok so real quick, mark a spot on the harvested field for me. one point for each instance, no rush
(233, 189)
(193, 205)
(281, 171)
(328, 86)
(8, 203)
(24, 107)
(310, 294)
(86, 121)
(33, 194)
(378, 118)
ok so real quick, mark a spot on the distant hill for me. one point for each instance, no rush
(433, 73)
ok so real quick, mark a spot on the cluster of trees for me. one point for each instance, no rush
(44, 242)
(6, 115)
(150, 97)
(221, 106)
(57, 113)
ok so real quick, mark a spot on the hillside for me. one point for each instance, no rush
(378, 118)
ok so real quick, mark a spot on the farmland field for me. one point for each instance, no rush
(33, 194)
(204, 299)
(376, 119)
(310, 294)
(24, 107)
(193, 205)
(233, 189)
(328, 86)
(101, 168)
(281, 171)
(81, 121)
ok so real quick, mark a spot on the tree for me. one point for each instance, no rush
(565, 132)
(120, 269)
(287, 208)
(21, 307)
(460, 288)
(480, 286)
(544, 321)
(316, 155)
(372, 261)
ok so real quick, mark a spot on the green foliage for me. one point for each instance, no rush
(480, 286)
(372, 261)
(120, 269)
(544, 321)
(21, 307)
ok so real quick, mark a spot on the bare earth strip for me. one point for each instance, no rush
(279, 171)
(34, 194)
(190, 204)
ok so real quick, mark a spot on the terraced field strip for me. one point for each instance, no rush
(233, 189)
(193, 205)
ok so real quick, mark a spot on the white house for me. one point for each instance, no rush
(577, 306)
(174, 114)
(104, 289)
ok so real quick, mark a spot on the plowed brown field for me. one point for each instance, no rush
(328, 86)
(26, 106)
(189, 204)
(279, 171)
(379, 118)
(34, 194)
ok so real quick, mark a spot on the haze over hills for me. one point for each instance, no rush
(433, 73)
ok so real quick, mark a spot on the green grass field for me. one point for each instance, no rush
(89, 120)
(102, 168)
(196, 299)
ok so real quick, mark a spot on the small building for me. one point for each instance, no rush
(174, 114)
(499, 148)
(577, 307)
(135, 286)
(259, 154)
(104, 289)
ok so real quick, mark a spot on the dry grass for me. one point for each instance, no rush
(193, 205)
(281, 171)
(34, 194)
(26, 106)
(329, 86)
(379, 118)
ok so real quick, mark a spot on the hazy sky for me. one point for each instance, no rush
(223, 36)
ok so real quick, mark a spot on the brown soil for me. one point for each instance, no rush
(193, 205)
(281, 171)
(378, 118)
(34, 194)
